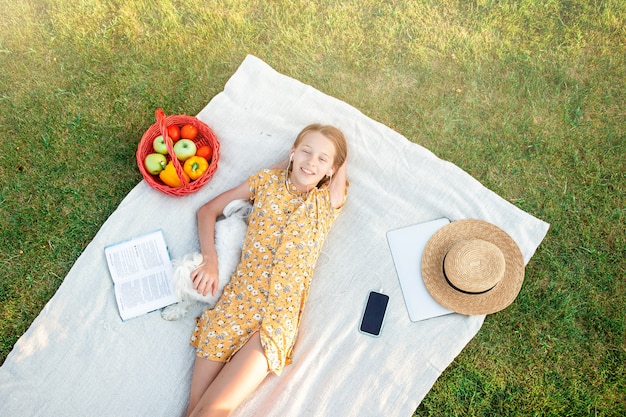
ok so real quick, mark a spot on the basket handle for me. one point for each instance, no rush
(160, 117)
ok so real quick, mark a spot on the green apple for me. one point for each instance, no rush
(184, 149)
(155, 163)
(159, 145)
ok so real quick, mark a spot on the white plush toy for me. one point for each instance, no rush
(230, 233)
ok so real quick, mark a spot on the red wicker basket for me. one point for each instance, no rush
(205, 137)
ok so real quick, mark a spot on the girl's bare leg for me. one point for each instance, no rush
(235, 381)
(204, 372)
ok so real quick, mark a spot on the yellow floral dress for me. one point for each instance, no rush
(269, 288)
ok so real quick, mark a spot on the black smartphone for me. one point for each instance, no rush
(374, 313)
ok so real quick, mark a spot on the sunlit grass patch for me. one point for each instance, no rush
(527, 96)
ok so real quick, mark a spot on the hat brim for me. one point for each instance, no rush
(491, 301)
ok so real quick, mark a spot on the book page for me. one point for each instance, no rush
(136, 256)
(142, 274)
(145, 294)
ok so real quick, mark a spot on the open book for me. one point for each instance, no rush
(141, 270)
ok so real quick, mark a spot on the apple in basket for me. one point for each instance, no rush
(159, 145)
(155, 163)
(184, 149)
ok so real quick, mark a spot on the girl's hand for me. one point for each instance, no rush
(205, 279)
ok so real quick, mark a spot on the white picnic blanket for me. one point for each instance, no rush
(79, 359)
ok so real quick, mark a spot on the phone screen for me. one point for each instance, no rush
(374, 313)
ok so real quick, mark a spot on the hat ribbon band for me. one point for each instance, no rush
(464, 291)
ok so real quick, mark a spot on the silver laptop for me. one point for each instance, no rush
(407, 245)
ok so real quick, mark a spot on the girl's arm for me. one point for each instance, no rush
(337, 187)
(205, 277)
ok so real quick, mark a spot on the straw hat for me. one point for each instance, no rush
(472, 267)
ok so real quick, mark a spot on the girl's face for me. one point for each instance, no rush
(313, 159)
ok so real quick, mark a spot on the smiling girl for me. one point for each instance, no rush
(252, 329)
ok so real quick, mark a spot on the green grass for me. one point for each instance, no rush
(527, 96)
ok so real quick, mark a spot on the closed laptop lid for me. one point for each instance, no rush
(407, 245)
